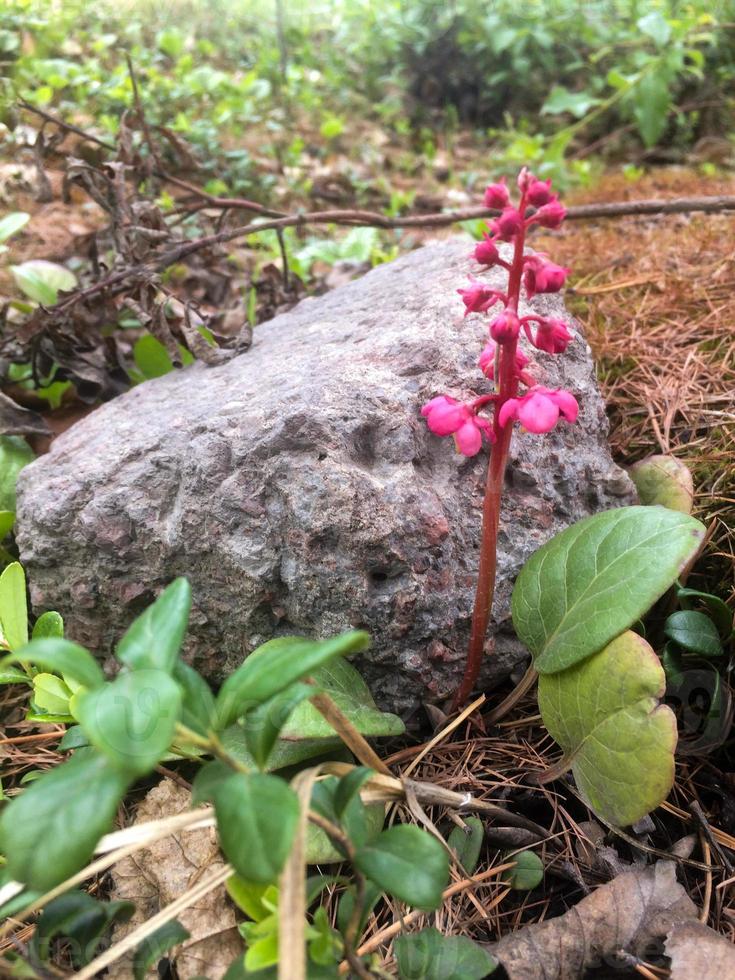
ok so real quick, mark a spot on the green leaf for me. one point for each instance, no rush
(61, 657)
(349, 786)
(263, 724)
(466, 842)
(152, 949)
(719, 611)
(428, 955)
(256, 820)
(664, 480)
(249, 896)
(51, 694)
(73, 738)
(277, 664)
(7, 520)
(198, 705)
(14, 606)
(655, 26)
(12, 675)
(49, 625)
(560, 100)
(408, 863)
(694, 632)
(284, 753)
(50, 830)
(132, 720)
(15, 453)
(12, 223)
(344, 807)
(596, 578)
(652, 106)
(155, 638)
(528, 872)
(80, 918)
(343, 683)
(207, 779)
(42, 281)
(618, 740)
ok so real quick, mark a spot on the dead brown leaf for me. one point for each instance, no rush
(157, 875)
(631, 913)
(696, 950)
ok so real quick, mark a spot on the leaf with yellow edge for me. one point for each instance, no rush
(618, 740)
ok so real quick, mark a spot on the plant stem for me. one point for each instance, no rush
(507, 388)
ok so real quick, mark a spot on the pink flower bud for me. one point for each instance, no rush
(505, 327)
(542, 276)
(496, 195)
(478, 297)
(539, 192)
(486, 252)
(525, 179)
(551, 215)
(487, 361)
(540, 409)
(552, 336)
(507, 225)
(445, 417)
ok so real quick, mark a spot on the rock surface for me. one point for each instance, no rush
(299, 489)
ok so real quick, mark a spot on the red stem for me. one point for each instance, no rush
(507, 388)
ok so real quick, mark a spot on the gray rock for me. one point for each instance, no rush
(299, 490)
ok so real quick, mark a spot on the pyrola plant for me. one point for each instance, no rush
(539, 408)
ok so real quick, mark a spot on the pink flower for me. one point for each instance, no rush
(542, 276)
(540, 408)
(525, 179)
(496, 195)
(487, 361)
(507, 225)
(445, 416)
(551, 215)
(486, 252)
(478, 297)
(539, 192)
(505, 326)
(552, 336)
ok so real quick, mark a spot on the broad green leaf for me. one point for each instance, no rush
(466, 842)
(208, 777)
(152, 949)
(152, 358)
(252, 898)
(528, 872)
(277, 664)
(652, 106)
(284, 753)
(560, 99)
(428, 955)
(12, 223)
(263, 724)
(50, 830)
(73, 738)
(49, 625)
(198, 704)
(664, 480)
(596, 578)
(719, 611)
(15, 453)
(408, 863)
(82, 919)
(694, 632)
(132, 719)
(51, 694)
(320, 849)
(618, 740)
(14, 606)
(154, 639)
(13, 675)
(42, 281)
(61, 657)
(656, 26)
(342, 805)
(343, 683)
(349, 786)
(256, 821)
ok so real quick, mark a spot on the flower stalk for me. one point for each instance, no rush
(539, 409)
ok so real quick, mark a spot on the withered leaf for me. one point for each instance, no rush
(696, 950)
(17, 421)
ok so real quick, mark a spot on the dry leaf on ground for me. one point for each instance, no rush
(160, 873)
(696, 950)
(630, 913)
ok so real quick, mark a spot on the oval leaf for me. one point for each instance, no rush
(155, 638)
(15, 453)
(618, 739)
(428, 955)
(42, 281)
(664, 480)
(49, 832)
(49, 625)
(277, 664)
(408, 863)
(694, 632)
(592, 581)
(528, 872)
(61, 657)
(256, 821)
(132, 720)
(14, 606)
(12, 223)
